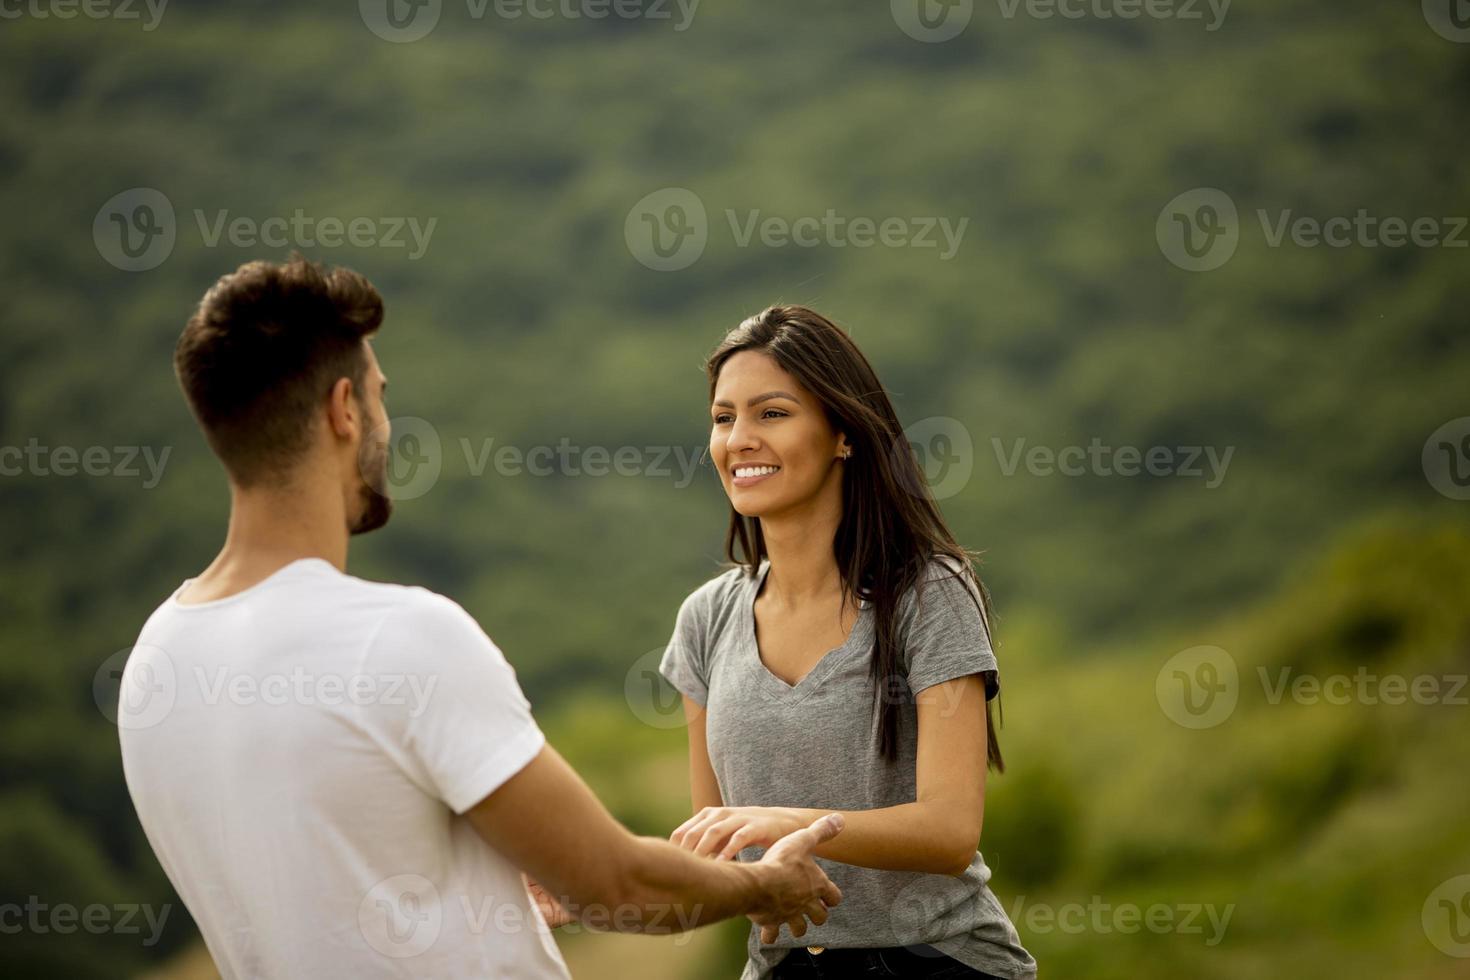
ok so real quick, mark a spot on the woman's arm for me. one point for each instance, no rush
(937, 833)
(704, 788)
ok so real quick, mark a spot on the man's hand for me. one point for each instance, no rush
(545, 821)
(798, 888)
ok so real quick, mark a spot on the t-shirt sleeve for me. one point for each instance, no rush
(945, 635)
(461, 724)
(685, 662)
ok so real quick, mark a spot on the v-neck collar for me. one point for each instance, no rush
(821, 670)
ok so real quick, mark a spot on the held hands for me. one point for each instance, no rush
(796, 888)
(724, 831)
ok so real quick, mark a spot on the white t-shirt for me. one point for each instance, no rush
(300, 755)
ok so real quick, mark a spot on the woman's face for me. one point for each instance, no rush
(770, 439)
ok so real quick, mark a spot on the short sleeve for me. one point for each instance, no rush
(945, 634)
(460, 721)
(685, 663)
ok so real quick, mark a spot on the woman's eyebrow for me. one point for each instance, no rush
(760, 398)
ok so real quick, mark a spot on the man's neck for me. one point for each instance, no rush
(270, 529)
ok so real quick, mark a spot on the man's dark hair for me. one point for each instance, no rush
(264, 347)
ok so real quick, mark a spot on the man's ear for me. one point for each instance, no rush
(343, 414)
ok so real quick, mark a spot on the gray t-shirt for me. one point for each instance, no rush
(815, 745)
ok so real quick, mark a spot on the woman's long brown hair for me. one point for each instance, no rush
(891, 528)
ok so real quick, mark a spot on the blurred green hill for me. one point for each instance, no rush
(528, 321)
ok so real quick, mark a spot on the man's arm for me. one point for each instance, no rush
(547, 821)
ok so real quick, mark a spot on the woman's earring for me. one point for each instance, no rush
(847, 453)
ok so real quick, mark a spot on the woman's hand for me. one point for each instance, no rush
(552, 911)
(724, 831)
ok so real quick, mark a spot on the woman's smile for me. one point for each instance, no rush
(749, 474)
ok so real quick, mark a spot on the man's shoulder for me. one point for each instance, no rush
(403, 603)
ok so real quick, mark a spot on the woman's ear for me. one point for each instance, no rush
(844, 448)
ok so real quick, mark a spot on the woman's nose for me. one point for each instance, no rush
(741, 437)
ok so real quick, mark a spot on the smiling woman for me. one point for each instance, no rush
(843, 663)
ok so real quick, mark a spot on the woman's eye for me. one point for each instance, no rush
(721, 419)
(776, 412)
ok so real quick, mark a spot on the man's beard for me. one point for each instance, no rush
(377, 506)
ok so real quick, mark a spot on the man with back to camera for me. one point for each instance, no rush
(342, 777)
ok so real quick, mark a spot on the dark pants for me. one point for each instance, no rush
(890, 961)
